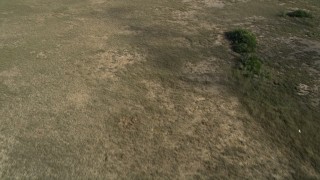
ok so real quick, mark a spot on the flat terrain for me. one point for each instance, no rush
(149, 89)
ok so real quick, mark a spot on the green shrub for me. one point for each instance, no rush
(299, 14)
(243, 41)
(251, 65)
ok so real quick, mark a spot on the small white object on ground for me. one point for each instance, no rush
(299, 131)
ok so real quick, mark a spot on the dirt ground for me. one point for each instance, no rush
(145, 89)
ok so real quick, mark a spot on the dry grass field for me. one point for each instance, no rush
(147, 89)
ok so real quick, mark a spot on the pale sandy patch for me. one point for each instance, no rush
(78, 99)
(157, 93)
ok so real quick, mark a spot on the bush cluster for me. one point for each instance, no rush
(245, 43)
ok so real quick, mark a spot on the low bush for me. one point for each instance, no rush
(251, 65)
(300, 14)
(243, 41)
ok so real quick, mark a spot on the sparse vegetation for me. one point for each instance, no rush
(243, 41)
(299, 14)
(102, 89)
(275, 102)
